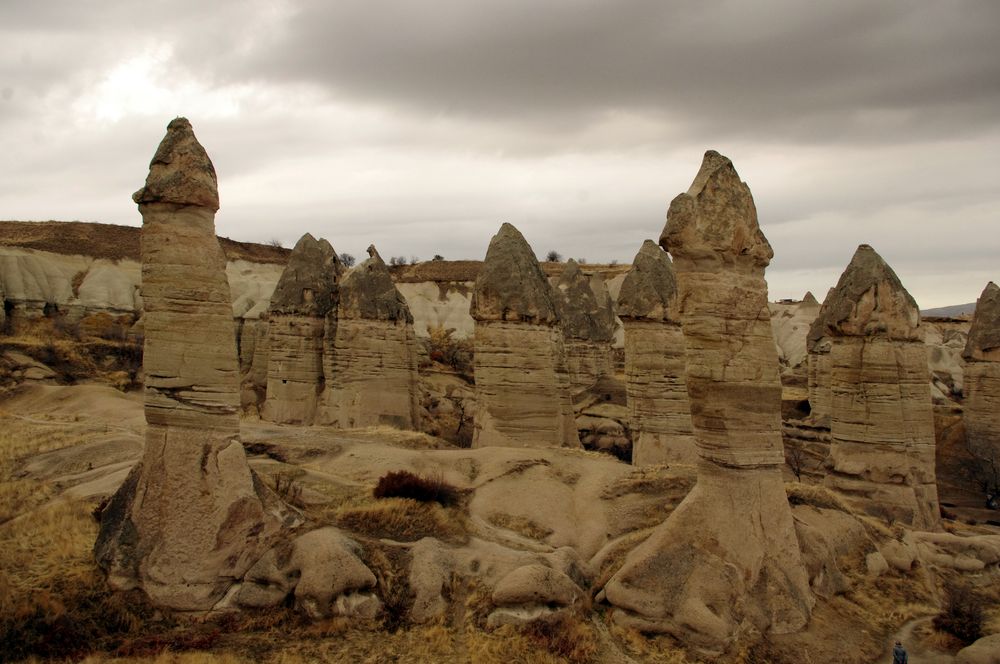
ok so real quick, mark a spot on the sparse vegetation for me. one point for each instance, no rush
(963, 614)
(405, 520)
(553, 257)
(404, 484)
(520, 525)
(445, 349)
(982, 468)
(815, 495)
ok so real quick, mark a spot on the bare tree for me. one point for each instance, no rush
(553, 256)
(795, 457)
(982, 467)
(347, 259)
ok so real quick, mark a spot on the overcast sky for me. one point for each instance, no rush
(421, 126)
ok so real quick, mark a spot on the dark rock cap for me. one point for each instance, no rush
(984, 335)
(181, 172)
(583, 315)
(309, 284)
(649, 290)
(511, 285)
(367, 292)
(869, 300)
(716, 218)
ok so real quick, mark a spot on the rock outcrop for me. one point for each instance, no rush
(522, 389)
(659, 412)
(588, 324)
(191, 517)
(982, 378)
(727, 557)
(818, 358)
(369, 357)
(297, 318)
(882, 420)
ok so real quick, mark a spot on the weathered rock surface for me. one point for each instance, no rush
(728, 554)
(369, 356)
(321, 570)
(297, 318)
(191, 517)
(882, 420)
(522, 388)
(982, 377)
(790, 322)
(818, 358)
(588, 324)
(659, 413)
(984, 651)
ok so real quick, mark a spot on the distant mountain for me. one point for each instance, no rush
(953, 311)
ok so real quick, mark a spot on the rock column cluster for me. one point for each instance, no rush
(982, 379)
(522, 388)
(659, 412)
(305, 295)
(588, 324)
(882, 420)
(191, 517)
(728, 555)
(370, 358)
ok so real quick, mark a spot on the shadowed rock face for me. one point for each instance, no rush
(882, 421)
(306, 293)
(982, 377)
(729, 552)
(522, 387)
(659, 413)
(191, 518)
(818, 350)
(370, 355)
(588, 324)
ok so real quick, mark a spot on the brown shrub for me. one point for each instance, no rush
(963, 614)
(404, 484)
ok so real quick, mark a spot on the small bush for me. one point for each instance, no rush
(444, 348)
(404, 484)
(962, 616)
(565, 636)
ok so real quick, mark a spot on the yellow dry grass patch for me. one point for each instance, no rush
(404, 519)
(519, 524)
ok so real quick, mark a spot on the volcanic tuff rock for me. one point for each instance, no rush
(818, 358)
(522, 388)
(728, 553)
(588, 324)
(369, 356)
(659, 412)
(191, 517)
(305, 295)
(882, 420)
(982, 377)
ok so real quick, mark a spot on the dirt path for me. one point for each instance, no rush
(917, 653)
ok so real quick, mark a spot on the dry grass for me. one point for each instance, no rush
(519, 524)
(815, 495)
(404, 519)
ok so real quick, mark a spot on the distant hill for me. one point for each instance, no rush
(954, 311)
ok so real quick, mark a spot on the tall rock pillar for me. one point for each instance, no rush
(728, 554)
(306, 293)
(982, 378)
(588, 324)
(191, 517)
(659, 411)
(370, 356)
(882, 419)
(522, 388)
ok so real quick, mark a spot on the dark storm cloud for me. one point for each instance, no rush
(843, 71)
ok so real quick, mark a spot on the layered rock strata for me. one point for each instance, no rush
(982, 379)
(818, 362)
(659, 412)
(588, 324)
(882, 420)
(370, 358)
(191, 517)
(297, 318)
(522, 388)
(727, 557)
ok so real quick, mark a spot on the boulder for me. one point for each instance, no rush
(984, 651)
(659, 411)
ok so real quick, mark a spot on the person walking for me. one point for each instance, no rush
(899, 654)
